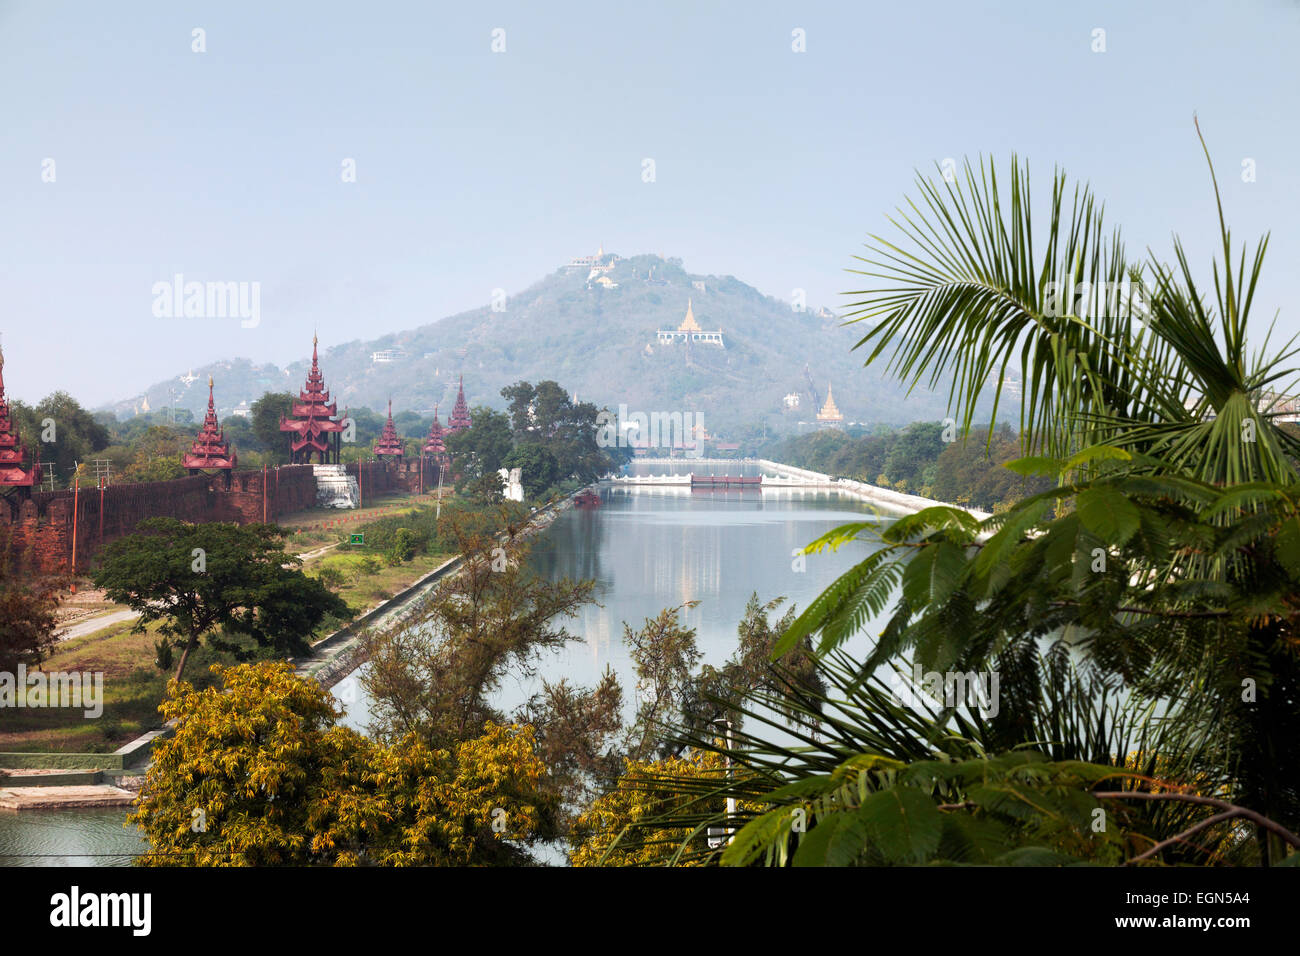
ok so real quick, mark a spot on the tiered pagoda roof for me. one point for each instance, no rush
(390, 443)
(210, 448)
(13, 473)
(434, 446)
(460, 412)
(312, 419)
(689, 324)
(829, 412)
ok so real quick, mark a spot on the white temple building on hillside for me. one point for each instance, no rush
(689, 331)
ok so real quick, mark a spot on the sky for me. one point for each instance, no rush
(479, 169)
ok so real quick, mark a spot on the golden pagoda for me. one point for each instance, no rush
(830, 416)
(689, 324)
(689, 331)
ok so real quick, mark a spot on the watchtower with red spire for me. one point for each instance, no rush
(210, 450)
(459, 420)
(390, 443)
(13, 453)
(434, 446)
(312, 420)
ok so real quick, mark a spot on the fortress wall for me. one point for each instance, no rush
(39, 531)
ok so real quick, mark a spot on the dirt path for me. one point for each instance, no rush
(90, 625)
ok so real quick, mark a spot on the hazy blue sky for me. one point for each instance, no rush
(478, 170)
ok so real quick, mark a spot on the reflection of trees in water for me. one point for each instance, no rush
(571, 547)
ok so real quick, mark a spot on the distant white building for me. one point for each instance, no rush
(1278, 407)
(791, 400)
(242, 410)
(387, 355)
(1283, 408)
(601, 262)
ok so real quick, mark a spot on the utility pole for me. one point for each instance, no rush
(76, 491)
(716, 834)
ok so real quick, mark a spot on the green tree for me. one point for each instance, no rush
(199, 578)
(435, 675)
(28, 612)
(264, 418)
(368, 427)
(58, 430)
(538, 469)
(156, 455)
(913, 455)
(480, 450)
(546, 416)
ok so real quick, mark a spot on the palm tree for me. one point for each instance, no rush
(1112, 352)
(1142, 396)
(1120, 360)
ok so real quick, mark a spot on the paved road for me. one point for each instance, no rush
(93, 624)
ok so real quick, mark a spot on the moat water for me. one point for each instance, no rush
(646, 548)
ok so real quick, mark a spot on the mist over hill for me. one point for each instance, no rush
(594, 332)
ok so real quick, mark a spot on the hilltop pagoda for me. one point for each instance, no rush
(313, 420)
(390, 443)
(13, 453)
(459, 420)
(690, 332)
(829, 416)
(210, 451)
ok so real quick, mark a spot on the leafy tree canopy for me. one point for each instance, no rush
(201, 578)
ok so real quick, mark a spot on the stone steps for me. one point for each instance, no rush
(335, 488)
(55, 798)
(50, 778)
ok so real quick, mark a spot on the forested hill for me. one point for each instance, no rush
(600, 341)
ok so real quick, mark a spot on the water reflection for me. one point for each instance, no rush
(648, 548)
(81, 837)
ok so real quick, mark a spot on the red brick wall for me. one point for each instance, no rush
(380, 477)
(289, 488)
(40, 530)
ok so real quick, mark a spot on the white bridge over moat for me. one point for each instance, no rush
(774, 476)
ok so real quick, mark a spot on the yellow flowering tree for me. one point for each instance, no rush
(612, 830)
(259, 773)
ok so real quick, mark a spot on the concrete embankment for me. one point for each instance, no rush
(885, 498)
(334, 658)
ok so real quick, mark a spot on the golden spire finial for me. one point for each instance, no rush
(689, 324)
